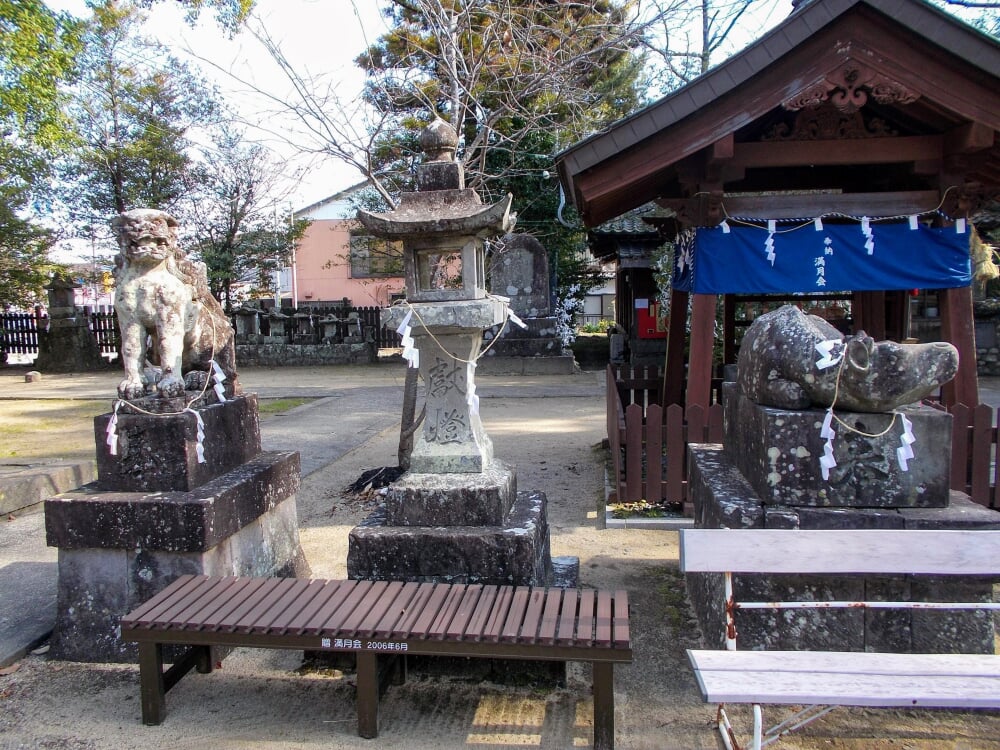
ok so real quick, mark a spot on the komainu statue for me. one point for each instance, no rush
(168, 317)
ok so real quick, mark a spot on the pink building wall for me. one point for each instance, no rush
(322, 270)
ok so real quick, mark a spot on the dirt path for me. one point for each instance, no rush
(260, 700)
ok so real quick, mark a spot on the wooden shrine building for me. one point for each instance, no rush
(847, 150)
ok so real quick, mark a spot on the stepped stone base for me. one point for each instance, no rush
(514, 553)
(118, 549)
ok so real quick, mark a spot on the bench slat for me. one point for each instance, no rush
(567, 617)
(319, 600)
(420, 599)
(396, 611)
(228, 622)
(203, 597)
(605, 615)
(223, 598)
(379, 609)
(550, 617)
(849, 678)
(449, 608)
(146, 612)
(287, 619)
(339, 614)
(325, 608)
(585, 618)
(176, 603)
(498, 614)
(622, 638)
(351, 624)
(480, 617)
(457, 629)
(515, 615)
(533, 616)
(900, 551)
(286, 596)
(265, 598)
(428, 613)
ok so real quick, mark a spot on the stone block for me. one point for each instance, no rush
(778, 452)
(723, 498)
(516, 553)
(482, 499)
(192, 521)
(117, 550)
(158, 452)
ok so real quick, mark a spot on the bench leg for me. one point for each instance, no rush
(152, 688)
(604, 705)
(367, 695)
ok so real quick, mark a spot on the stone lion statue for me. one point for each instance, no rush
(168, 316)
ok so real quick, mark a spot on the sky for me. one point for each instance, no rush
(319, 36)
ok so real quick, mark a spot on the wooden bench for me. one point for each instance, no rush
(828, 678)
(375, 619)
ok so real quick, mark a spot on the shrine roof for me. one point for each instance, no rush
(947, 71)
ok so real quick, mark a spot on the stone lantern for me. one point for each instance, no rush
(442, 227)
(456, 514)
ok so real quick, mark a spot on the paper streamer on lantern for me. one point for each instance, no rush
(112, 430)
(200, 445)
(905, 451)
(470, 393)
(410, 353)
(220, 377)
(827, 461)
(516, 320)
(827, 358)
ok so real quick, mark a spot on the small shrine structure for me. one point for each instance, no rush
(847, 150)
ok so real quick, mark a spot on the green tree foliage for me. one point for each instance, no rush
(230, 14)
(235, 226)
(518, 80)
(37, 54)
(134, 108)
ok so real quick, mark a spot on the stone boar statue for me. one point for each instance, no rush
(777, 366)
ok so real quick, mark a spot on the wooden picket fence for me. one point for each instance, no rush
(648, 443)
(19, 330)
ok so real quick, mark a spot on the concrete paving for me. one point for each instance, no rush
(352, 405)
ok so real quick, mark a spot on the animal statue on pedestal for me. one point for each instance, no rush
(166, 312)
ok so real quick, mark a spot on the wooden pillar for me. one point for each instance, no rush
(958, 328)
(869, 314)
(673, 371)
(729, 350)
(699, 385)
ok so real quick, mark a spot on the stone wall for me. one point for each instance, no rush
(301, 355)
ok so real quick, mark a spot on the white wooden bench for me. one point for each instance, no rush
(823, 680)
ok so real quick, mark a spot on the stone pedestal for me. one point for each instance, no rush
(162, 451)
(778, 452)
(68, 346)
(767, 476)
(156, 513)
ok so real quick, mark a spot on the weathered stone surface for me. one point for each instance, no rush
(116, 550)
(482, 499)
(282, 354)
(461, 315)
(520, 272)
(162, 296)
(778, 452)
(777, 366)
(192, 521)
(516, 553)
(724, 499)
(159, 452)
